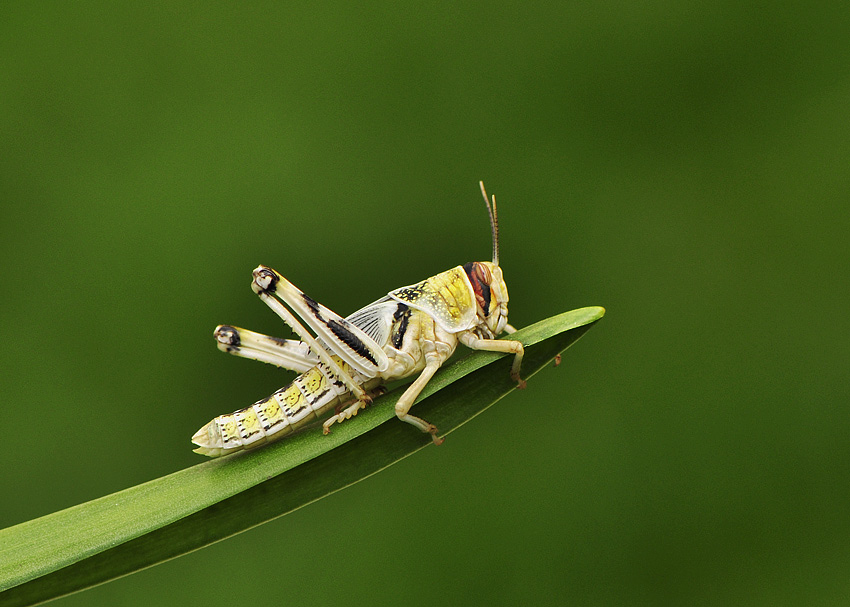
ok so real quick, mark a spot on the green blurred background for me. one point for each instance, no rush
(683, 164)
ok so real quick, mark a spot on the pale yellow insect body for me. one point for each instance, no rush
(412, 330)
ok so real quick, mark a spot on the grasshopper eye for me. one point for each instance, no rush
(480, 278)
(482, 273)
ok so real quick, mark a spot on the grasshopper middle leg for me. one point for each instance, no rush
(432, 363)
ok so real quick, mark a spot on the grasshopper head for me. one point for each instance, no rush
(491, 295)
(491, 292)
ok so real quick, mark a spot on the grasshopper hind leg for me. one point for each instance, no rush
(350, 408)
(346, 413)
(284, 353)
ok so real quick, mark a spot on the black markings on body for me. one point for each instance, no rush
(291, 413)
(411, 293)
(402, 317)
(330, 375)
(314, 398)
(340, 329)
(350, 340)
(312, 304)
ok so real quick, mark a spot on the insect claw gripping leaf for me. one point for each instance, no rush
(343, 362)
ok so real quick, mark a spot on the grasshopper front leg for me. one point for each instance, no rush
(507, 346)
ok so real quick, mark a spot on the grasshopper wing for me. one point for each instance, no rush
(376, 319)
(448, 298)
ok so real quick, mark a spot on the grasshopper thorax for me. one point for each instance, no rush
(491, 295)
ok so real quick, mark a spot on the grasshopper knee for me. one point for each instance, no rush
(265, 280)
(227, 336)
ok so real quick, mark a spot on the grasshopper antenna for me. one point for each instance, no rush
(494, 223)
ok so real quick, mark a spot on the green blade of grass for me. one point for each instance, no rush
(159, 520)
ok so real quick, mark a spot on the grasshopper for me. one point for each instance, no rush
(412, 330)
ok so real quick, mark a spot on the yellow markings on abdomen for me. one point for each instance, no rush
(228, 432)
(250, 430)
(308, 397)
(293, 403)
(314, 386)
(271, 416)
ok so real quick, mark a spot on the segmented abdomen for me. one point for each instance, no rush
(308, 397)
